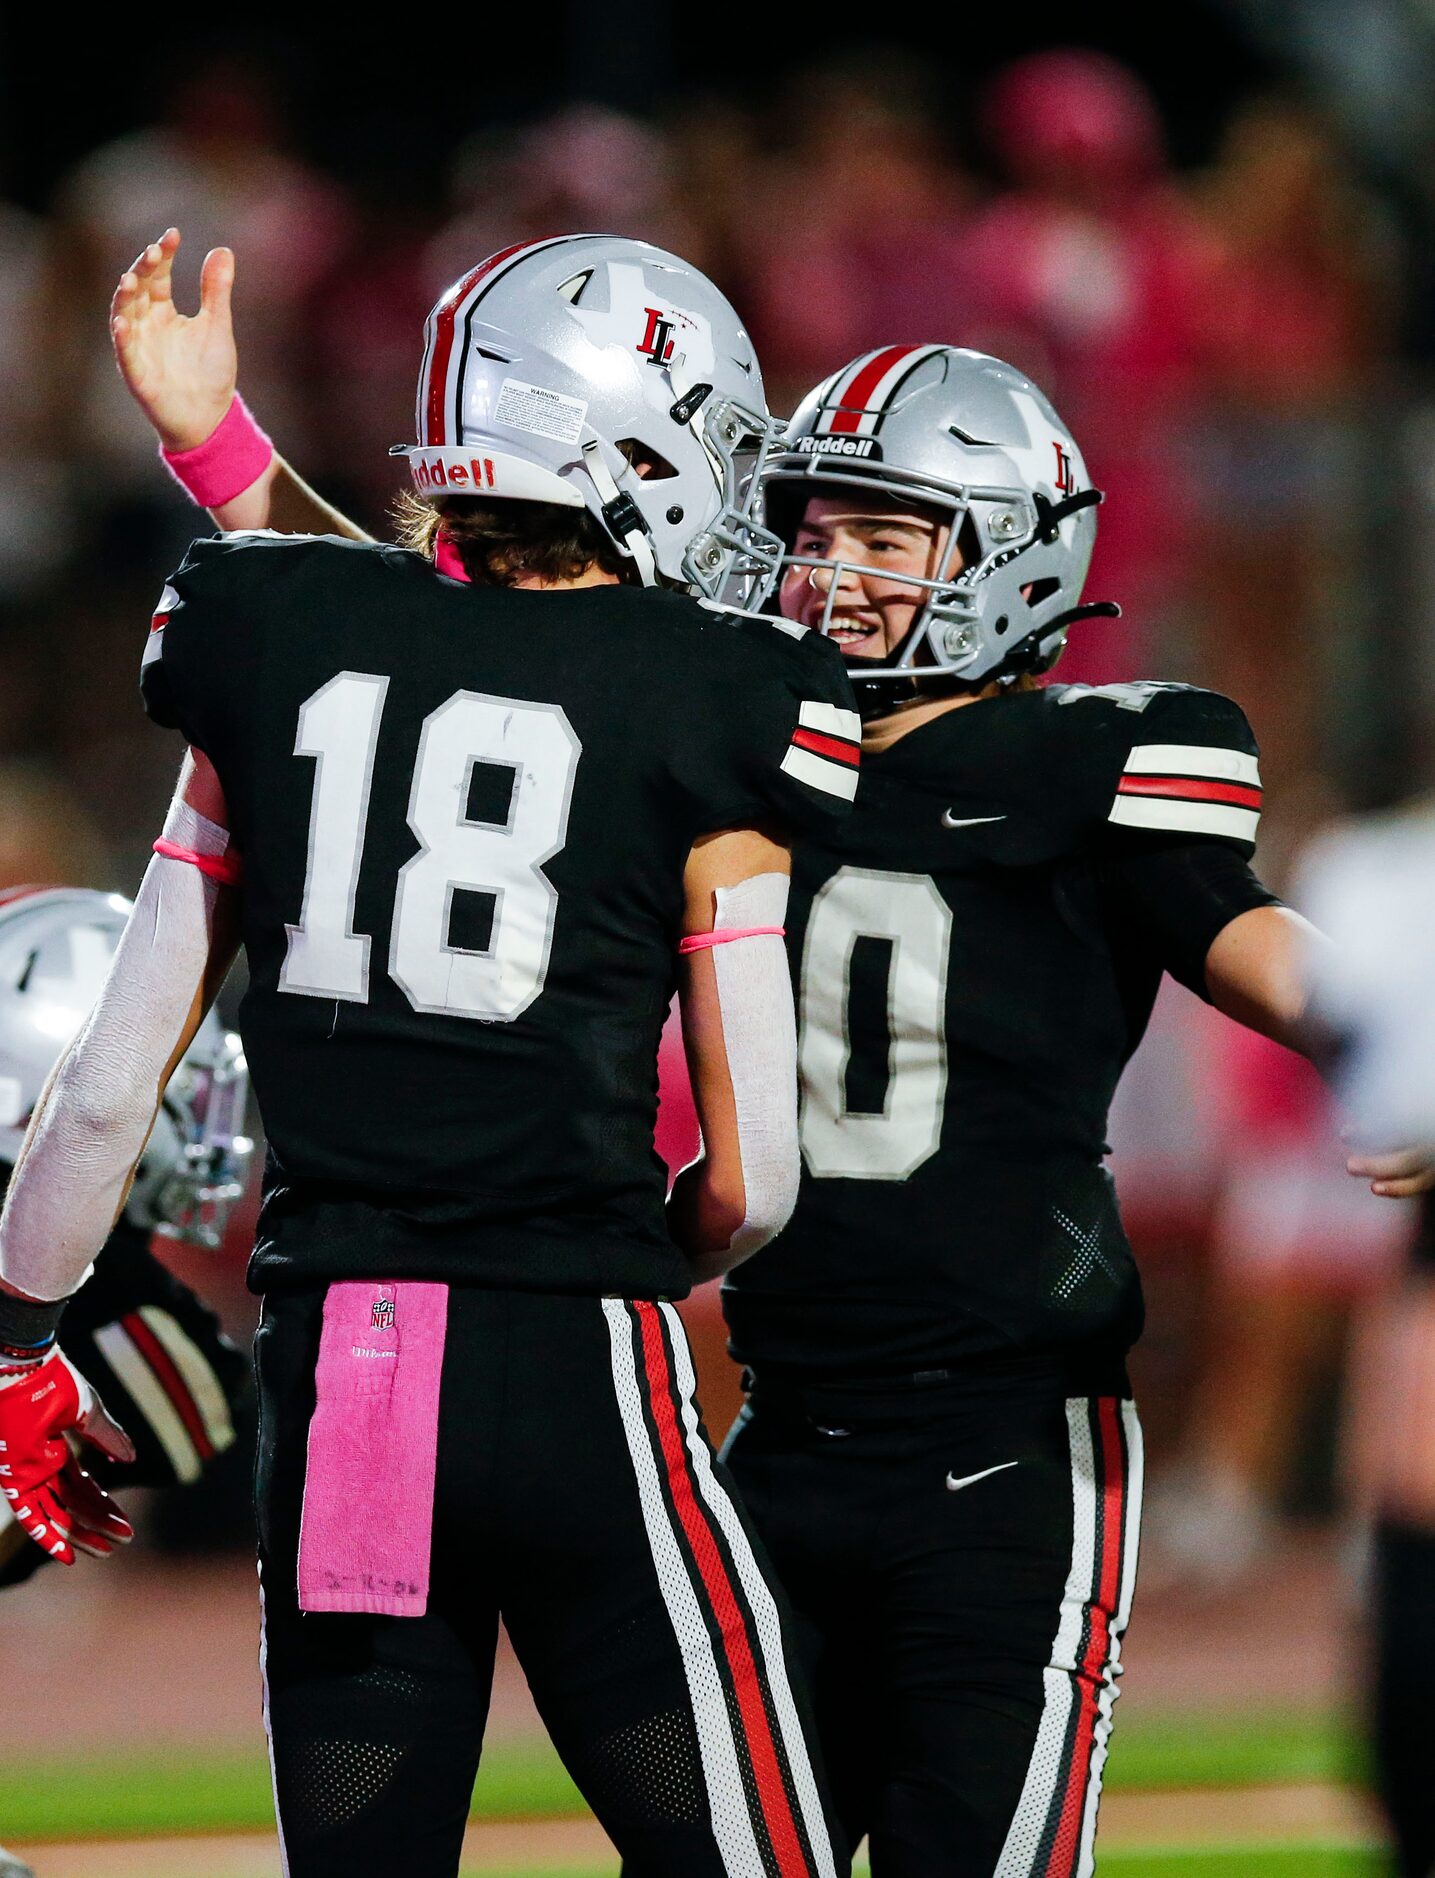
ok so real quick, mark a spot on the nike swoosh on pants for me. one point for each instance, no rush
(968, 1480)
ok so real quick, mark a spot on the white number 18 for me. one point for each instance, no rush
(326, 958)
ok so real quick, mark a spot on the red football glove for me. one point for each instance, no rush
(50, 1495)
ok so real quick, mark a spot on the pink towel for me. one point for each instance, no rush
(367, 1529)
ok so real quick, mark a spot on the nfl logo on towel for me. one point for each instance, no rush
(383, 1314)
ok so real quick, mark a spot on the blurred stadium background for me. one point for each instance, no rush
(1207, 232)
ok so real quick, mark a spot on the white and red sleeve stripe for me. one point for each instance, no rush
(1189, 788)
(154, 645)
(826, 749)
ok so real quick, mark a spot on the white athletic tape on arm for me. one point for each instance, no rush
(759, 1031)
(92, 1125)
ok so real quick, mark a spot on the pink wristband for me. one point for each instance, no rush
(227, 869)
(700, 941)
(226, 463)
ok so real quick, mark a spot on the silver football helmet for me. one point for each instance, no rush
(962, 433)
(56, 944)
(554, 369)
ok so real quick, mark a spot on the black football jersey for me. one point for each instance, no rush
(464, 815)
(972, 971)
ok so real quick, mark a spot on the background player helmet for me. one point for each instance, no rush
(965, 434)
(551, 364)
(56, 944)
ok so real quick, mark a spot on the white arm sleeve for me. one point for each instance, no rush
(92, 1124)
(759, 1030)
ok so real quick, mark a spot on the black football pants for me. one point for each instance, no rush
(576, 1495)
(1404, 1625)
(959, 1564)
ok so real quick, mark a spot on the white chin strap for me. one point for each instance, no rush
(636, 539)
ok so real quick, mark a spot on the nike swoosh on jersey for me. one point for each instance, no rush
(967, 821)
(969, 1480)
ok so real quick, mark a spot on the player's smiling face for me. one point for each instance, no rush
(885, 543)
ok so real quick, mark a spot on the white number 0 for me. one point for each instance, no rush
(907, 909)
(326, 958)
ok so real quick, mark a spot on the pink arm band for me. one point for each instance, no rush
(700, 941)
(227, 869)
(226, 463)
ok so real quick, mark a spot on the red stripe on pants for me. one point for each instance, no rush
(1066, 1846)
(771, 1793)
(170, 1380)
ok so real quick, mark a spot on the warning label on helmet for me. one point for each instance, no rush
(543, 413)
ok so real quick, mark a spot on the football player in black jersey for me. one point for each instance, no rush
(940, 1447)
(485, 801)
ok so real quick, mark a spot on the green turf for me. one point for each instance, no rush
(1294, 1861)
(1256, 1862)
(1257, 1751)
(207, 1793)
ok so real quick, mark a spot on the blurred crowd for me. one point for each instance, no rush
(1221, 341)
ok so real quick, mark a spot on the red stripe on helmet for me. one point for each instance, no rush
(444, 316)
(855, 399)
(9, 894)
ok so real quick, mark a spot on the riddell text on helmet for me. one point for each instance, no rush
(440, 475)
(867, 447)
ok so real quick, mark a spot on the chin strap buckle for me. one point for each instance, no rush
(1095, 609)
(1027, 655)
(621, 515)
(691, 402)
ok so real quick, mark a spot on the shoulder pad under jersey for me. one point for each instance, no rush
(786, 738)
(1163, 759)
(204, 618)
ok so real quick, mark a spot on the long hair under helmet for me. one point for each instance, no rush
(554, 367)
(974, 439)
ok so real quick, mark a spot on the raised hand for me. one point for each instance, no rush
(181, 368)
